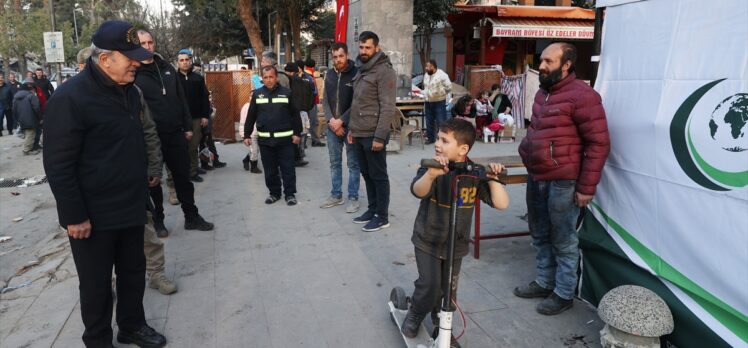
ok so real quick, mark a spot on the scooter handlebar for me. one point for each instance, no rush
(471, 167)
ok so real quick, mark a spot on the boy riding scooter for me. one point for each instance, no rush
(431, 229)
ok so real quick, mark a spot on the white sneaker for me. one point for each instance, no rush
(353, 206)
(331, 202)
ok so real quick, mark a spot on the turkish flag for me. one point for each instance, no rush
(341, 20)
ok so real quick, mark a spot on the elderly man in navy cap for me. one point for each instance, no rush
(96, 162)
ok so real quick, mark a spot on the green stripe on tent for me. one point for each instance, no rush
(731, 318)
(605, 266)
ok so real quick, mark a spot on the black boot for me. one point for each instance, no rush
(161, 230)
(205, 165)
(412, 323)
(146, 336)
(255, 168)
(197, 223)
(246, 161)
(217, 163)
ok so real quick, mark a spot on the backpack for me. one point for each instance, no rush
(302, 93)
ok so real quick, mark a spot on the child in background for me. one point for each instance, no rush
(431, 227)
(483, 109)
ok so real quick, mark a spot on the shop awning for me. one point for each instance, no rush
(542, 28)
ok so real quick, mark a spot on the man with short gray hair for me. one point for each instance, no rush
(96, 163)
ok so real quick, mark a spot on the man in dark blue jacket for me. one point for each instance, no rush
(278, 132)
(164, 94)
(337, 105)
(96, 163)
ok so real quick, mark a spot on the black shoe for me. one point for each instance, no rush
(375, 224)
(245, 161)
(553, 305)
(201, 171)
(291, 200)
(196, 178)
(197, 223)
(206, 166)
(364, 218)
(218, 164)
(429, 142)
(161, 230)
(254, 168)
(301, 163)
(532, 290)
(411, 324)
(271, 199)
(145, 337)
(318, 144)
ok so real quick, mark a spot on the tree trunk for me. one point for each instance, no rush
(244, 10)
(294, 20)
(287, 42)
(424, 48)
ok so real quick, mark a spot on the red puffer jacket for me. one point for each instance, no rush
(568, 136)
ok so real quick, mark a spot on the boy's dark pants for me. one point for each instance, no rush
(431, 284)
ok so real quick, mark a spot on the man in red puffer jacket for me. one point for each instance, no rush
(564, 151)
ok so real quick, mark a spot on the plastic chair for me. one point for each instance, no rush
(402, 126)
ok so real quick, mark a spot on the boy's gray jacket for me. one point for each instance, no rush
(373, 109)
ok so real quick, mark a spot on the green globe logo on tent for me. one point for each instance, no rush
(727, 127)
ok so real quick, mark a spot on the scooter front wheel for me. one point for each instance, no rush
(398, 298)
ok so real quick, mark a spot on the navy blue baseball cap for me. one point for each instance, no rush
(120, 36)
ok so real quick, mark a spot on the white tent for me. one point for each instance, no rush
(671, 211)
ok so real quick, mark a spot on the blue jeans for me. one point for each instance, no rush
(435, 113)
(552, 216)
(335, 149)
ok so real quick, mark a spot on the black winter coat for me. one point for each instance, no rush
(164, 94)
(26, 109)
(273, 111)
(94, 152)
(196, 94)
(339, 92)
(45, 86)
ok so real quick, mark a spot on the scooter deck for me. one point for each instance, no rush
(423, 340)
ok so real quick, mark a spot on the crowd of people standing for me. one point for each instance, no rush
(113, 127)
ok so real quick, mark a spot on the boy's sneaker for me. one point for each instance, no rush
(331, 202)
(411, 324)
(291, 200)
(365, 218)
(353, 206)
(532, 290)
(377, 223)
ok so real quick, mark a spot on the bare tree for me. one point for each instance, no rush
(244, 10)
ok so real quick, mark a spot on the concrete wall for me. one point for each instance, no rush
(438, 51)
(392, 21)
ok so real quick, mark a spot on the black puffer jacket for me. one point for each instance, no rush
(164, 94)
(94, 152)
(26, 109)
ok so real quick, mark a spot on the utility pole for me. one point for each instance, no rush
(54, 28)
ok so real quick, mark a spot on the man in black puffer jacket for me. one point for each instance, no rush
(165, 97)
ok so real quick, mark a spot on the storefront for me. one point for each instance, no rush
(515, 36)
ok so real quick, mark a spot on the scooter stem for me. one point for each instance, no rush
(444, 340)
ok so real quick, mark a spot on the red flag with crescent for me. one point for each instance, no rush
(341, 20)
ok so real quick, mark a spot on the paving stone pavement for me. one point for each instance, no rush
(280, 276)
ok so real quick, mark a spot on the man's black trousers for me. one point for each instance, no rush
(278, 162)
(94, 258)
(176, 156)
(374, 170)
(431, 284)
